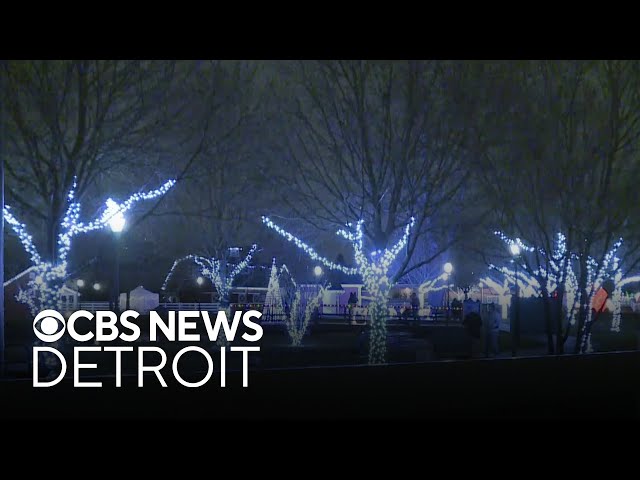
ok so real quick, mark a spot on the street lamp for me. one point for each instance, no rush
(116, 223)
(199, 281)
(80, 283)
(317, 271)
(97, 287)
(448, 268)
(515, 336)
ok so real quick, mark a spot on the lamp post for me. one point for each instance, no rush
(448, 268)
(515, 334)
(116, 224)
(481, 285)
(317, 271)
(199, 281)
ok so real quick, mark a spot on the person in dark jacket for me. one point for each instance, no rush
(352, 302)
(473, 325)
(415, 306)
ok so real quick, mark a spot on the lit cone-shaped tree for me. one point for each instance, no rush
(273, 299)
(374, 270)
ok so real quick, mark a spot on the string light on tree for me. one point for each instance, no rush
(211, 268)
(374, 272)
(430, 286)
(560, 272)
(307, 249)
(273, 299)
(43, 292)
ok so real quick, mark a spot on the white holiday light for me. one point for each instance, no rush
(211, 269)
(307, 249)
(300, 314)
(43, 292)
(561, 273)
(430, 286)
(374, 272)
(273, 299)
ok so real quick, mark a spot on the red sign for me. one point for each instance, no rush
(599, 299)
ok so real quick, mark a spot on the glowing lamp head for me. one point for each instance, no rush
(199, 280)
(80, 283)
(515, 249)
(448, 268)
(481, 285)
(117, 223)
(317, 271)
(97, 286)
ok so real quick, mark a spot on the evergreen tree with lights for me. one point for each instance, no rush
(273, 299)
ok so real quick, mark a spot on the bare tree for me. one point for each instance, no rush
(377, 141)
(76, 119)
(560, 157)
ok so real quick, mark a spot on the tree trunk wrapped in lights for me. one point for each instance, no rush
(578, 289)
(43, 291)
(300, 305)
(375, 275)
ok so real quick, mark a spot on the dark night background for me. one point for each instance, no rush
(527, 147)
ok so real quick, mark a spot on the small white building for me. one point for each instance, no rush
(68, 299)
(141, 300)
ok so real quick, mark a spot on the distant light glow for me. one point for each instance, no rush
(80, 283)
(199, 280)
(515, 249)
(317, 271)
(97, 286)
(448, 268)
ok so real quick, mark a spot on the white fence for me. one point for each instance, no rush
(93, 307)
(208, 307)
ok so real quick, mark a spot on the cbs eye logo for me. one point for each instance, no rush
(50, 322)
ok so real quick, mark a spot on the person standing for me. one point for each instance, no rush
(353, 301)
(473, 325)
(415, 307)
(492, 331)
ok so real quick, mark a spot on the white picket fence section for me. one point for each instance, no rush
(93, 307)
(207, 307)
